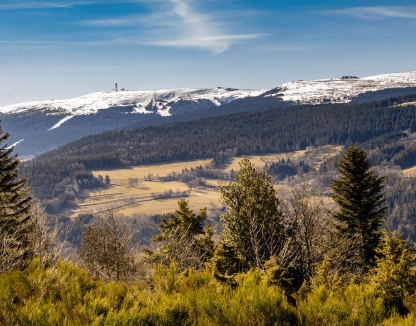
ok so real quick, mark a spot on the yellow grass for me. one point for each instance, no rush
(260, 161)
(319, 153)
(143, 170)
(410, 173)
(406, 104)
(128, 200)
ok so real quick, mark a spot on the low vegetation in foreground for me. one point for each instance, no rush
(277, 262)
(68, 295)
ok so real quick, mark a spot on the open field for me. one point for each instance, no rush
(406, 104)
(129, 199)
(410, 173)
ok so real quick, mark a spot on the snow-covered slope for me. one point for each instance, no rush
(36, 127)
(159, 102)
(340, 90)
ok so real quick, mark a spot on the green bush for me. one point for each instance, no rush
(67, 295)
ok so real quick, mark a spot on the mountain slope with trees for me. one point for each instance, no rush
(270, 131)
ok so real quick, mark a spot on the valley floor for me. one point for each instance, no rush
(152, 180)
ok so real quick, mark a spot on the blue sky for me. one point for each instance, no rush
(66, 48)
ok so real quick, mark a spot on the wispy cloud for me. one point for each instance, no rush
(181, 25)
(43, 4)
(377, 12)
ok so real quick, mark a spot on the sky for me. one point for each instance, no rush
(67, 48)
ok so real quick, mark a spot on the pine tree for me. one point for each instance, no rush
(186, 240)
(358, 194)
(16, 247)
(184, 222)
(226, 263)
(254, 224)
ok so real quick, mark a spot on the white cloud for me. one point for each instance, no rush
(179, 24)
(377, 12)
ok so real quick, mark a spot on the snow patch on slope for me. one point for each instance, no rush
(341, 90)
(13, 145)
(61, 122)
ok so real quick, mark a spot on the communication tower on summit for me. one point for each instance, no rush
(116, 86)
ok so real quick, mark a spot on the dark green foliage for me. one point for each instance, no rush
(76, 227)
(401, 202)
(184, 237)
(226, 263)
(405, 158)
(107, 179)
(358, 194)
(254, 224)
(282, 169)
(184, 222)
(15, 219)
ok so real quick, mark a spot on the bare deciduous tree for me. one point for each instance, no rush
(133, 182)
(266, 242)
(9, 256)
(315, 237)
(45, 237)
(108, 248)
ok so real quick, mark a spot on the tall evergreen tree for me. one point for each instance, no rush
(15, 220)
(358, 193)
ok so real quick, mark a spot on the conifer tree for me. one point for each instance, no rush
(15, 219)
(254, 224)
(185, 237)
(184, 221)
(358, 194)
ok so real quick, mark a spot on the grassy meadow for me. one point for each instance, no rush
(128, 199)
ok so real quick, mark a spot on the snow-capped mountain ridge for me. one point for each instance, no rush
(335, 90)
(37, 127)
(140, 101)
(342, 89)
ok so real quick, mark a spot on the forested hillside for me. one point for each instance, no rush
(274, 130)
(279, 129)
